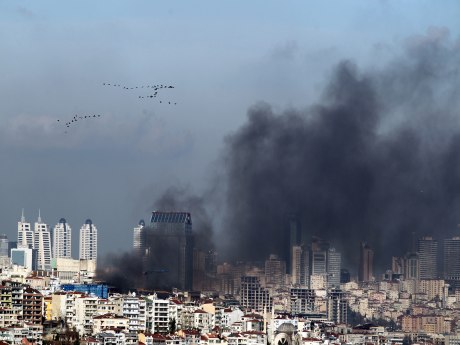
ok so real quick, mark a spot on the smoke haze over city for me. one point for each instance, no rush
(344, 116)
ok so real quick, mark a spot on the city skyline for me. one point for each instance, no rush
(118, 166)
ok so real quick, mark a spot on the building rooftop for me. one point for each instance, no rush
(170, 217)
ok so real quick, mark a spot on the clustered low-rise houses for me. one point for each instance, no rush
(38, 310)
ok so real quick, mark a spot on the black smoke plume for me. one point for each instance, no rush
(376, 160)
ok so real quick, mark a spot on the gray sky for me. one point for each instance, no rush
(221, 56)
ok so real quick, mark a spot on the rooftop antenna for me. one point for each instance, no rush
(23, 219)
(39, 217)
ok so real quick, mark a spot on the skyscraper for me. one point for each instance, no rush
(139, 238)
(318, 256)
(62, 240)
(4, 244)
(88, 241)
(295, 234)
(427, 249)
(366, 263)
(300, 270)
(452, 259)
(42, 243)
(169, 249)
(275, 271)
(25, 233)
(334, 263)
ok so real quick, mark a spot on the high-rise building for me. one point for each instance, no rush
(412, 266)
(295, 234)
(337, 306)
(169, 250)
(4, 244)
(254, 296)
(42, 243)
(427, 249)
(62, 240)
(25, 233)
(334, 262)
(300, 266)
(452, 260)
(366, 263)
(318, 257)
(139, 238)
(4, 257)
(302, 300)
(88, 241)
(275, 271)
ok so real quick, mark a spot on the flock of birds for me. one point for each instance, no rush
(75, 118)
(155, 88)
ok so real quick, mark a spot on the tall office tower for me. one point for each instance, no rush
(452, 261)
(302, 300)
(275, 271)
(334, 263)
(427, 249)
(318, 257)
(88, 241)
(139, 238)
(412, 266)
(300, 270)
(366, 263)
(4, 244)
(62, 240)
(4, 257)
(25, 233)
(169, 249)
(254, 296)
(337, 306)
(295, 234)
(42, 243)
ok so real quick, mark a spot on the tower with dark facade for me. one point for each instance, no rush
(366, 263)
(168, 244)
(427, 249)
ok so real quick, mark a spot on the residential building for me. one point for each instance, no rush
(25, 233)
(42, 243)
(88, 241)
(62, 240)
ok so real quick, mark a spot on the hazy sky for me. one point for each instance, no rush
(221, 56)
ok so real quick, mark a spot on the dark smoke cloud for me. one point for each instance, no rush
(377, 159)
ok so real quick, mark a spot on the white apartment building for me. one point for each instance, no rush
(88, 241)
(133, 308)
(42, 243)
(157, 314)
(62, 240)
(85, 309)
(25, 233)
